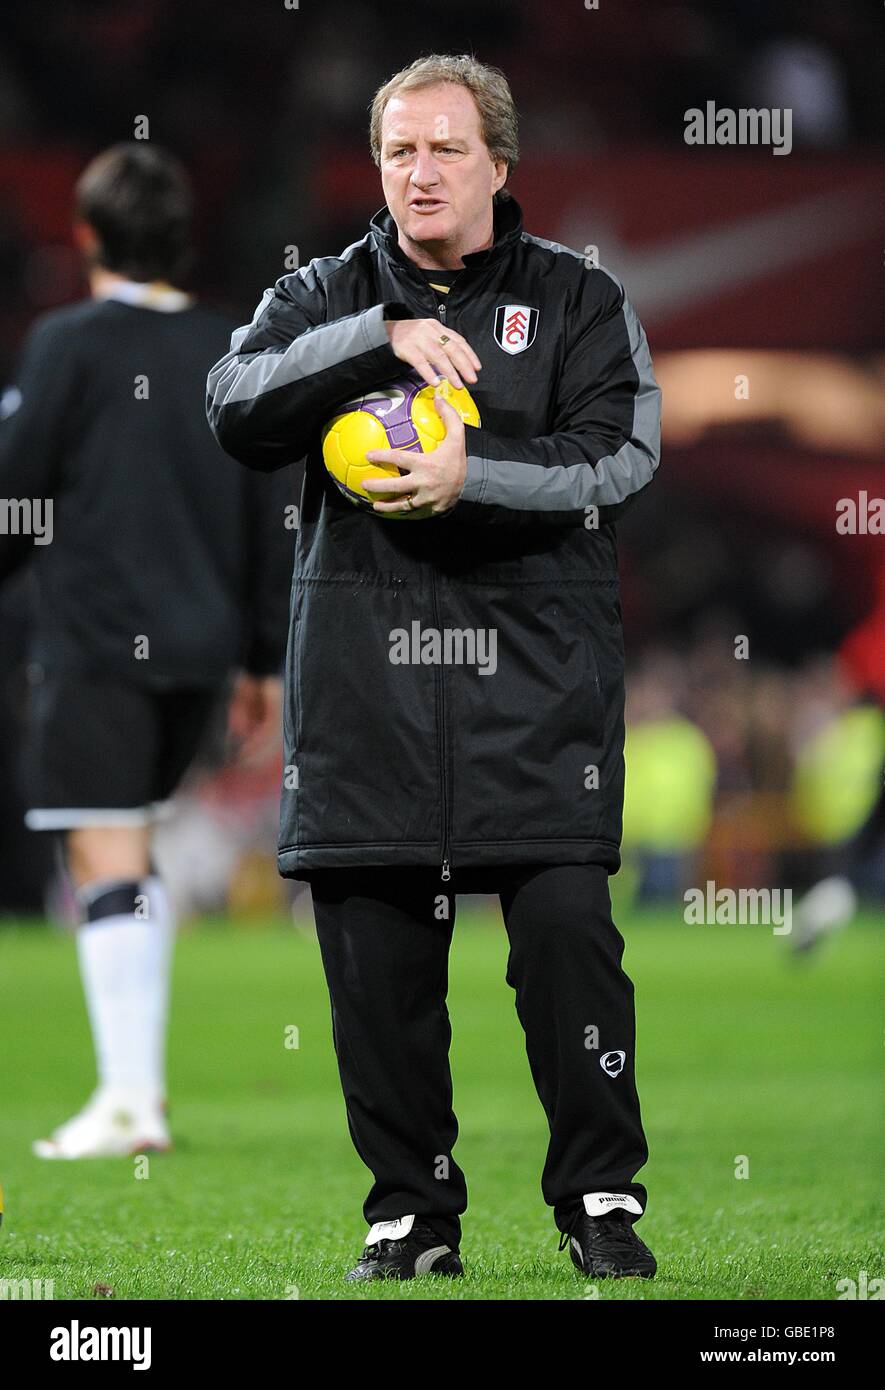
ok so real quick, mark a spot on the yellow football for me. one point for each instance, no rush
(398, 415)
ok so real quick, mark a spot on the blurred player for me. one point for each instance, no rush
(833, 902)
(161, 567)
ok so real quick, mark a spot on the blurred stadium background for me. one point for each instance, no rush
(756, 772)
(743, 265)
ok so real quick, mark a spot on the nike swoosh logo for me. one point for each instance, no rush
(384, 402)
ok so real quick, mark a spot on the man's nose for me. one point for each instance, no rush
(425, 171)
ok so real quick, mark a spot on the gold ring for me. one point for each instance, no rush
(443, 339)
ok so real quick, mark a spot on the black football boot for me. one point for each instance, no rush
(404, 1249)
(607, 1247)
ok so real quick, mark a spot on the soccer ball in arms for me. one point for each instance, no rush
(400, 414)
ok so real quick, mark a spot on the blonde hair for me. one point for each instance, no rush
(488, 87)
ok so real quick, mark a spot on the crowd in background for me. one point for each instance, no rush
(255, 97)
(729, 766)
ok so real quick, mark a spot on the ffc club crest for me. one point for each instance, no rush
(515, 327)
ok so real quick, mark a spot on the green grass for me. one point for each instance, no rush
(742, 1051)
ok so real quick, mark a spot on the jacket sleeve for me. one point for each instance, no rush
(35, 417)
(605, 444)
(289, 368)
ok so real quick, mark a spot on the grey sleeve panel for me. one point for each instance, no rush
(289, 370)
(474, 484)
(239, 378)
(568, 471)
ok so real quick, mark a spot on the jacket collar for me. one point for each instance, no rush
(508, 227)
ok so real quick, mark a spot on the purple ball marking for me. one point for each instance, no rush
(397, 422)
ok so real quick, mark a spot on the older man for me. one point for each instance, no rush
(411, 780)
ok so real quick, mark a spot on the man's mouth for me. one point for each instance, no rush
(426, 204)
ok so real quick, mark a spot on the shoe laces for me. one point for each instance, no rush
(419, 1233)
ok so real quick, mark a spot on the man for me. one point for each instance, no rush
(412, 780)
(167, 569)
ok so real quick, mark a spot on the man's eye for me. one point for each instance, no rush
(445, 149)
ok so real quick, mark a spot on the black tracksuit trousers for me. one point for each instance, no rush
(385, 938)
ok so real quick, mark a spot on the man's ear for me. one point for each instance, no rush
(87, 242)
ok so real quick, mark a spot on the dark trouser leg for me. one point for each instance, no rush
(565, 965)
(385, 955)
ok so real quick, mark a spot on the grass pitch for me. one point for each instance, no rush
(741, 1051)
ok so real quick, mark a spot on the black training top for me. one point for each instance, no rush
(154, 533)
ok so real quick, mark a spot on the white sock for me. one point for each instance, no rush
(125, 966)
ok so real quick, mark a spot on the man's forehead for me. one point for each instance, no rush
(436, 114)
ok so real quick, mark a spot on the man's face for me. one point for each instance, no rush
(436, 171)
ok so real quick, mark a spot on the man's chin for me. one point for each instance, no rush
(428, 226)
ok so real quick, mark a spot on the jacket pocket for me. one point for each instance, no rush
(361, 730)
(529, 744)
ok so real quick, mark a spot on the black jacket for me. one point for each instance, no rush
(500, 740)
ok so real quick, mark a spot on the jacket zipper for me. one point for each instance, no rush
(446, 870)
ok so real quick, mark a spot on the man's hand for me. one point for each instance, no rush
(254, 717)
(417, 342)
(433, 481)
